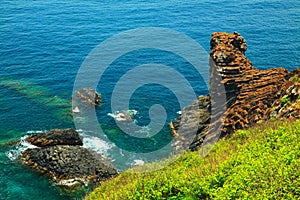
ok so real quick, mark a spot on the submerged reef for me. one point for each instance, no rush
(40, 95)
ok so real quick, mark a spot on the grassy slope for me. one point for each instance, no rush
(260, 163)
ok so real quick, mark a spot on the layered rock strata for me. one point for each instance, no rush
(197, 115)
(55, 137)
(61, 157)
(288, 106)
(249, 93)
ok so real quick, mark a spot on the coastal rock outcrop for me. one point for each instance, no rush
(61, 157)
(89, 96)
(250, 93)
(198, 115)
(288, 106)
(55, 137)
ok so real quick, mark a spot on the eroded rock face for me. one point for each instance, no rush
(196, 115)
(228, 63)
(56, 137)
(288, 105)
(61, 157)
(89, 96)
(250, 93)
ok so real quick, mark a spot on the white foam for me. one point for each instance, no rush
(13, 154)
(79, 130)
(132, 112)
(121, 153)
(126, 115)
(118, 116)
(76, 110)
(89, 142)
(143, 132)
(72, 182)
(31, 132)
(138, 162)
(97, 145)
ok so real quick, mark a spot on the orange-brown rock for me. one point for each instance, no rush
(288, 105)
(89, 96)
(250, 93)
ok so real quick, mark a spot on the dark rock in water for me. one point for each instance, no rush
(197, 114)
(61, 157)
(56, 137)
(251, 94)
(69, 166)
(89, 96)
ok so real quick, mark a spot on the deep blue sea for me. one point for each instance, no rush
(44, 43)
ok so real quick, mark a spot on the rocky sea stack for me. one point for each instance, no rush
(252, 95)
(89, 96)
(60, 156)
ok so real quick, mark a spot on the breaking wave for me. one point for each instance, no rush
(21, 146)
(125, 115)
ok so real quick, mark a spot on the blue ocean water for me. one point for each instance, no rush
(43, 44)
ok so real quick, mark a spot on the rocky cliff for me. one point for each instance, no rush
(251, 95)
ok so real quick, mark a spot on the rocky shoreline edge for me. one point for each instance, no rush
(252, 96)
(60, 156)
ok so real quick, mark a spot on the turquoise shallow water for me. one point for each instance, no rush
(43, 44)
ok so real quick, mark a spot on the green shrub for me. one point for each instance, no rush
(295, 79)
(286, 101)
(259, 163)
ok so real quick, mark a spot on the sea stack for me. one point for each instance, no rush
(250, 93)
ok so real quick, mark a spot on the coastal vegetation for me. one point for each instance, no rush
(259, 163)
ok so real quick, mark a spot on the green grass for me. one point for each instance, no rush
(295, 79)
(259, 163)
